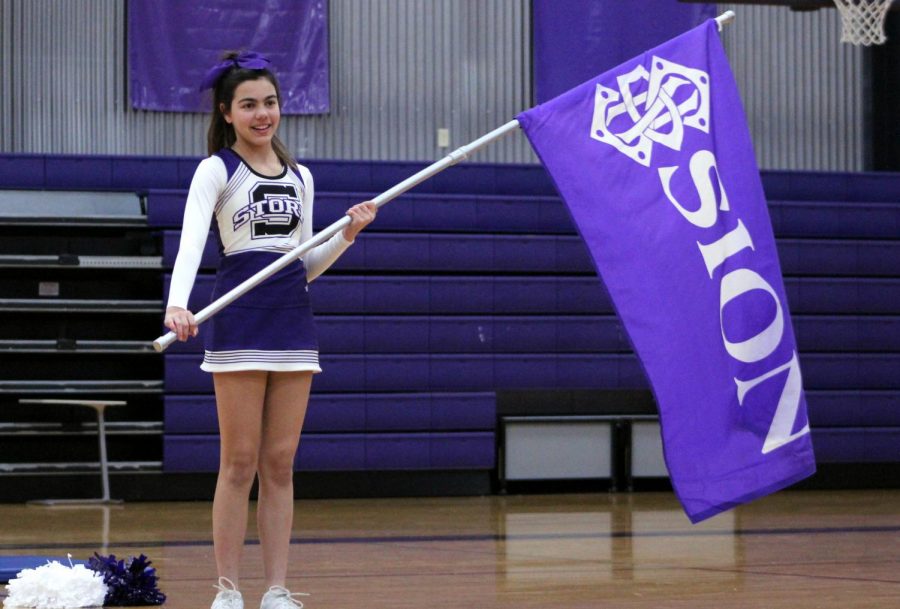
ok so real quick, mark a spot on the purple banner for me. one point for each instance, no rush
(655, 162)
(577, 39)
(171, 44)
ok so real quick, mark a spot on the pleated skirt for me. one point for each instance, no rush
(270, 327)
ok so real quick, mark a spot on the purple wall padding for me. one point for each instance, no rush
(190, 414)
(442, 295)
(810, 219)
(167, 172)
(191, 453)
(857, 370)
(843, 295)
(116, 173)
(457, 295)
(78, 172)
(331, 452)
(489, 372)
(467, 334)
(331, 413)
(463, 451)
(830, 219)
(857, 333)
(854, 408)
(474, 178)
(23, 171)
(560, 254)
(348, 452)
(165, 208)
(95, 172)
(398, 451)
(845, 258)
(171, 240)
(428, 372)
(354, 412)
(434, 252)
(451, 411)
(482, 179)
(857, 445)
(868, 187)
(418, 212)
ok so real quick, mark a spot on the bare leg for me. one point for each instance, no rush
(287, 396)
(239, 400)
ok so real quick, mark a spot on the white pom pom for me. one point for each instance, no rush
(55, 586)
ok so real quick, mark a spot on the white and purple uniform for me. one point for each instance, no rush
(257, 219)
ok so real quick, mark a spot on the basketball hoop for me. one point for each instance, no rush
(863, 21)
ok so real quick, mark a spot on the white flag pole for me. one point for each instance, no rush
(724, 19)
(161, 343)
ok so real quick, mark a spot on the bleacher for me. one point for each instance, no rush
(472, 284)
(80, 276)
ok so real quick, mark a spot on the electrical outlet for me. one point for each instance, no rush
(443, 137)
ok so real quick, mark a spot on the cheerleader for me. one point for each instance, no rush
(262, 349)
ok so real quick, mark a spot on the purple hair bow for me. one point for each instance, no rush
(247, 60)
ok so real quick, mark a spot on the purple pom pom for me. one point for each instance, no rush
(131, 583)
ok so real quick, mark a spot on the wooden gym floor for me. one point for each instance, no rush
(794, 550)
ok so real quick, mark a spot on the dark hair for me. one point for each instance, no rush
(221, 133)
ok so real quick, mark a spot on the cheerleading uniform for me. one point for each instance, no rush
(256, 219)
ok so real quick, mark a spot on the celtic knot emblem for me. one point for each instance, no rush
(650, 108)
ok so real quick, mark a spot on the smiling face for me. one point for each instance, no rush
(254, 113)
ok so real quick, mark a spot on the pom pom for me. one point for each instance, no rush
(130, 583)
(56, 586)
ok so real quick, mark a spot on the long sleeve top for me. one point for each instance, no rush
(247, 211)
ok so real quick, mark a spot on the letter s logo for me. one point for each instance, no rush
(271, 224)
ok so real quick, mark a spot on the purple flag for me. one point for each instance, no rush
(172, 43)
(655, 163)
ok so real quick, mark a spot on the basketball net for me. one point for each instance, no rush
(863, 21)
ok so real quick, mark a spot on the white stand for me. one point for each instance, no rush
(99, 406)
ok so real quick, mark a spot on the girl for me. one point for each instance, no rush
(261, 349)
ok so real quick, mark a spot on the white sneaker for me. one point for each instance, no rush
(228, 596)
(279, 597)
